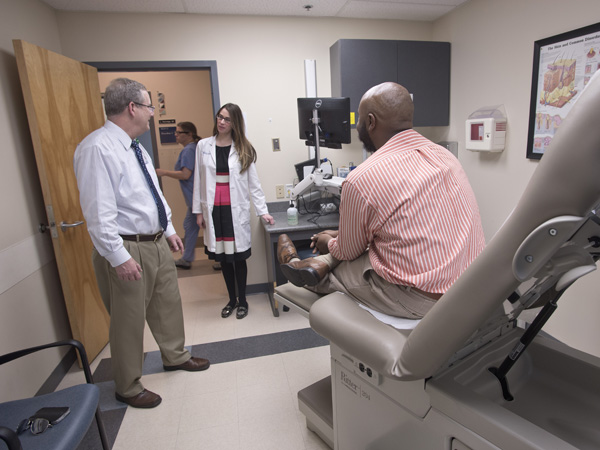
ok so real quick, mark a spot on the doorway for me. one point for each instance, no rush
(181, 91)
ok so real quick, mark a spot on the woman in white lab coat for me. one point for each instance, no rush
(225, 180)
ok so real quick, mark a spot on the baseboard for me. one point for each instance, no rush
(59, 373)
(259, 288)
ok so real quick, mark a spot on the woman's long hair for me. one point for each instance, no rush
(189, 127)
(244, 148)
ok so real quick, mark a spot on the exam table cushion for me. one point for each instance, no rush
(303, 298)
(565, 183)
(355, 330)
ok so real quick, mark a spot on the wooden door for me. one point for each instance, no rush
(62, 98)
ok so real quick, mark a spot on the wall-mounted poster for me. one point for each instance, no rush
(562, 66)
(162, 109)
(167, 135)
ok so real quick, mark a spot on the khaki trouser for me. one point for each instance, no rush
(155, 299)
(358, 279)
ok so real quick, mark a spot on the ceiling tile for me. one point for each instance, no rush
(319, 8)
(422, 10)
(396, 11)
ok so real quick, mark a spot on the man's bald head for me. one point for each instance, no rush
(384, 110)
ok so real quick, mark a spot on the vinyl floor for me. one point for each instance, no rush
(246, 400)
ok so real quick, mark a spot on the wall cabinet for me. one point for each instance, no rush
(422, 67)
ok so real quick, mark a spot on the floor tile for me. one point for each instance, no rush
(241, 403)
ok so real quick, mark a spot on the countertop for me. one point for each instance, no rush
(305, 222)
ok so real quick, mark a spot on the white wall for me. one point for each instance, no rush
(32, 309)
(260, 63)
(492, 61)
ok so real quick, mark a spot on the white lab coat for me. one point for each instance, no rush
(242, 187)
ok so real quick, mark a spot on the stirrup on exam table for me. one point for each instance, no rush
(469, 376)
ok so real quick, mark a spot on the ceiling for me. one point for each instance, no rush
(419, 10)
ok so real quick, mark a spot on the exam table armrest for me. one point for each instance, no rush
(342, 321)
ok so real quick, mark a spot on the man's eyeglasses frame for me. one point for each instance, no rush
(150, 107)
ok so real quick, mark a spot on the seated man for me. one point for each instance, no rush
(409, 221)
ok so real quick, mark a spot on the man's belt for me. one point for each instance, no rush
(142, 237)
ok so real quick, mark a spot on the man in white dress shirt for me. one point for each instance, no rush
(129, 222)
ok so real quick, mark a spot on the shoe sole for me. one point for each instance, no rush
(149, 405)
(173, 369)
(300, 277)
(183, 267)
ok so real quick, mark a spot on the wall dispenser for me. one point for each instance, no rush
(486, 129)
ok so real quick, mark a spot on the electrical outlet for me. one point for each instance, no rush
(276, 147)
(288, 190)
(279, 190)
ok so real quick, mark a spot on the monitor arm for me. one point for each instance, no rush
(317, 180)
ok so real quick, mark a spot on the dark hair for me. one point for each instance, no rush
(189, 127)
(244, 148)
(119, 93)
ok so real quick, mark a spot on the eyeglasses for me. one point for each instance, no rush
(182, 132)
(37, 426)
(150, 107)
(224, 119)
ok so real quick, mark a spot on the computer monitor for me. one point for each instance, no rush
(334, 121)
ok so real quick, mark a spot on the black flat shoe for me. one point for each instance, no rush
(241, 312)
(227, 311)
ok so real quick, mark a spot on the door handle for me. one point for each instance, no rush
(64, 226)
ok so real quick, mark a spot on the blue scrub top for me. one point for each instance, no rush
(187, 158)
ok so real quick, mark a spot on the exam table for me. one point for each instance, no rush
(467, 376)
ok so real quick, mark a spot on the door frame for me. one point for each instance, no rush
(166, 66)
(146, 66)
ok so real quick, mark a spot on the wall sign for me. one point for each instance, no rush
(167, 135)
(162, 109)
(562, 66)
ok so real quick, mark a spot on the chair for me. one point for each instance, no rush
(82, 399)
(468, 376)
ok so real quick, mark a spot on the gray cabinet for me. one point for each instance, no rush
(423, 67)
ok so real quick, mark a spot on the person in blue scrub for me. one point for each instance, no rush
(186, 135)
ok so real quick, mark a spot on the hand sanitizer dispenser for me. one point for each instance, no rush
(486, 129)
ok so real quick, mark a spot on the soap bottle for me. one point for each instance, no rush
(292, 214)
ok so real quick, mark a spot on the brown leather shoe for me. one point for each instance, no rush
(307, 272)
(286, 251)
(191, 365)
(145, 399)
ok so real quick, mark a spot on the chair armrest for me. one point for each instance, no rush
(11, 439)
(72, 342)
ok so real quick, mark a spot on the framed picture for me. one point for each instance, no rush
(562, 66)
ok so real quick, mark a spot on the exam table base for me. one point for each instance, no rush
(315, 403)
(557, 403)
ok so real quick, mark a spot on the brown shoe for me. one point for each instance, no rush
(286, 251)
(307, 272)
(145, 399)
(191, 365)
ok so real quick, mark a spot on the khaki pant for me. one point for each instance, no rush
(358, 279)
(155, 299)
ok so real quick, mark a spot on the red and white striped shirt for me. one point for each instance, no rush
(411, 205)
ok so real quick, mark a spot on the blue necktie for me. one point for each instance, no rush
(162, 215)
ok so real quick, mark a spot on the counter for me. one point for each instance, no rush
(308, 224)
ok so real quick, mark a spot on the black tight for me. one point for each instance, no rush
(236, 272)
